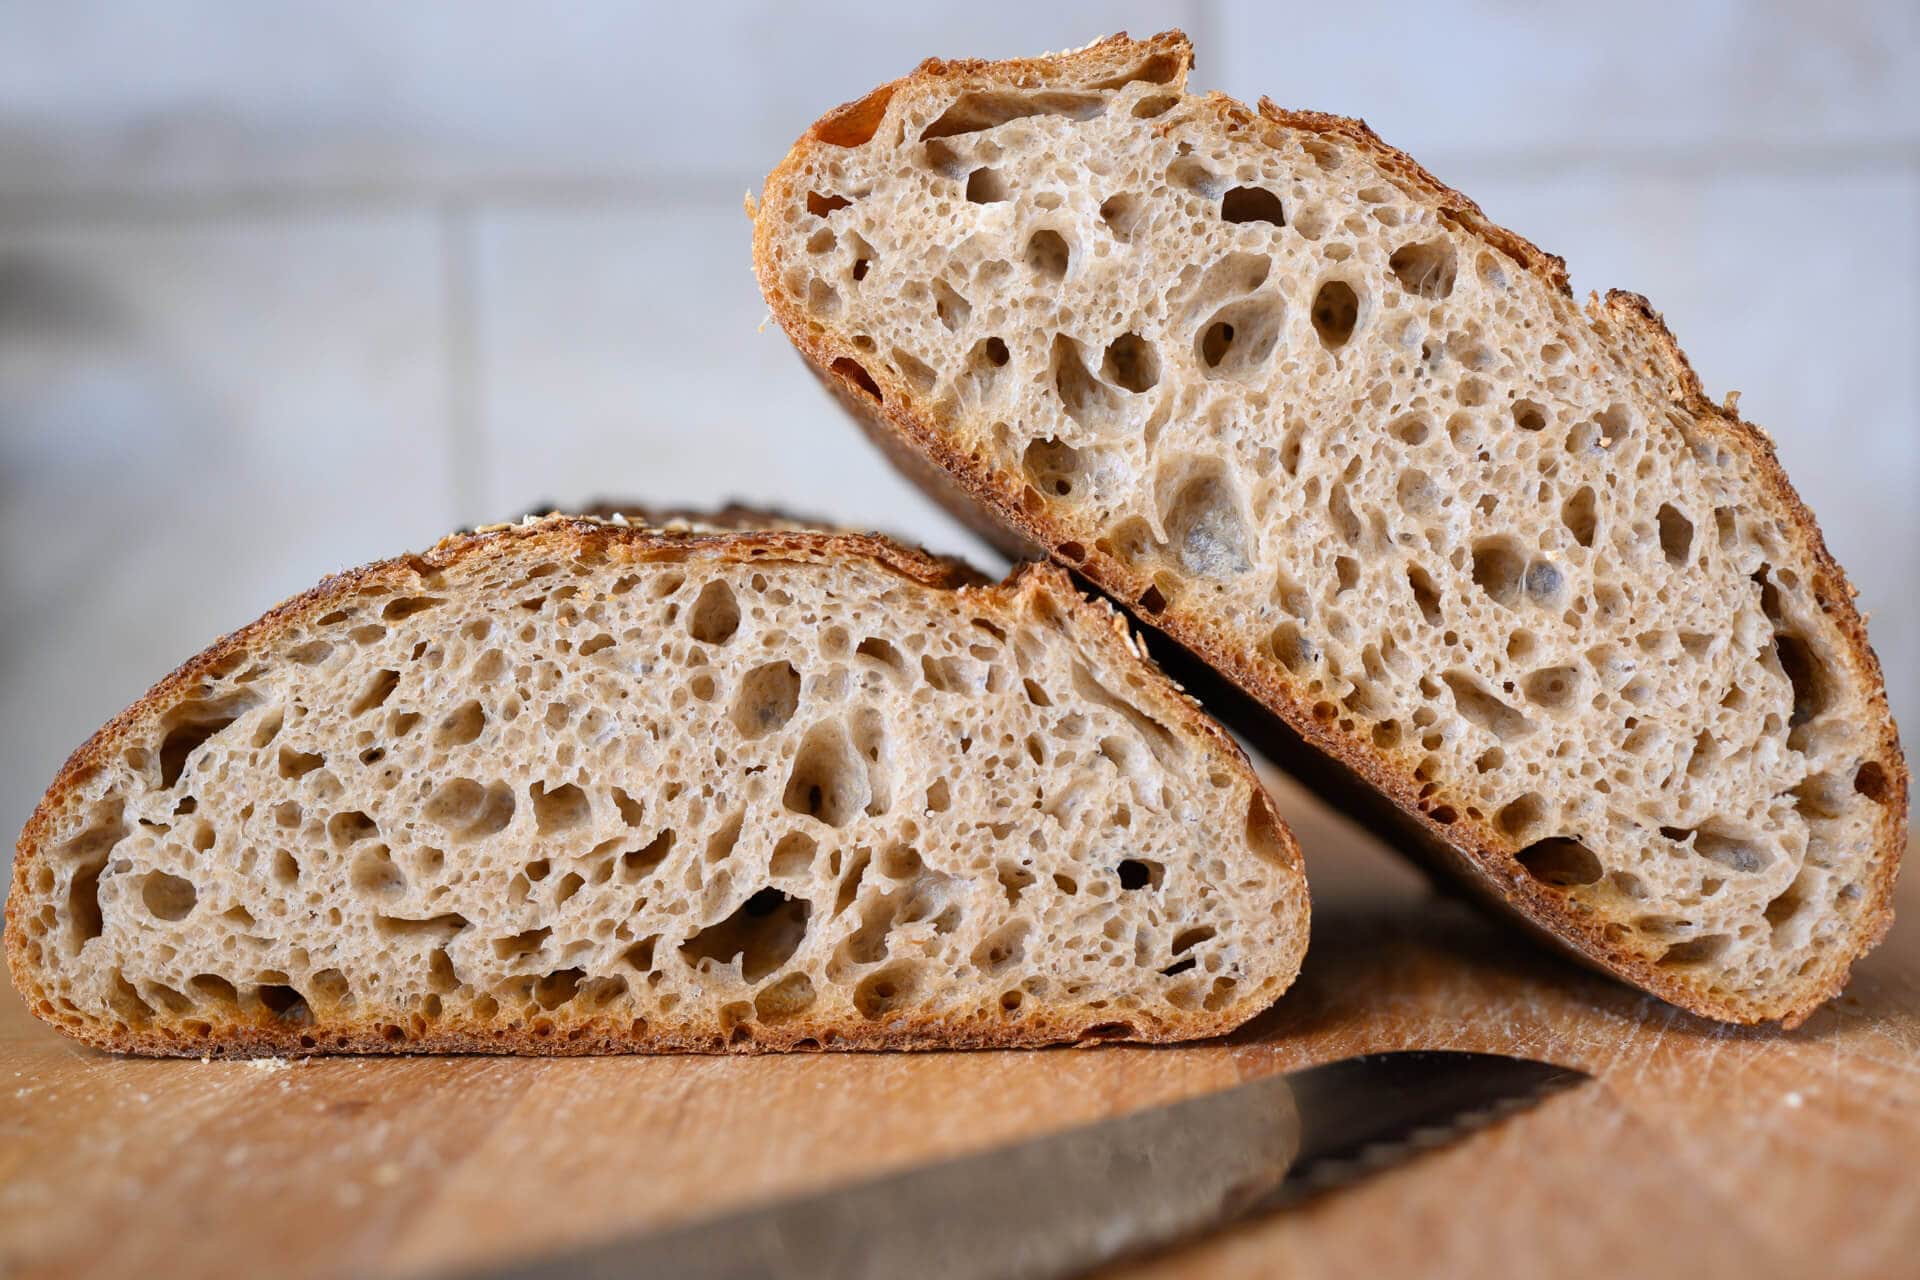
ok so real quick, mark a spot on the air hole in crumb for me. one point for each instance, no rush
(787, 998)
(1554, 688)
(332, 987)
(1808, 678)
(1529, 416)
(1131, 363)
(763, 934)
(561, 809)
(404, 607)
(461, 726)
(1425, 269)
(1872, 781)
(1733, 851)
(1676, 534)
(820, 206)
(1520, 816)
(168, 897)
(1425, 594)
(469, 809)
(312, 653)
(284, 1003)
(767, 699)
(853, 371)
(1291, 646)
(886, 989)
(1087, 400)
(1048, 255)
(984, 109)
(557, 988)
(827, 781)
(882, 652)
(1696, 951)
(1498, 568)
(378, 689)
(1109, 1031)
(1001, 949)
(189, 726)
(1053, 465)
(952, 309)
(374, 872)
(1252, 204)
(918, 374)
(1479, 705)
(1122, 213)
(986, 185)
(1241, 337)
(1560, 862)
(214, 989)
(521, 944)
(793, 856)
(1187, 939)
(1207, 528)
(637, 864)
(1336, 311)
(715, 614)
(1580, 515)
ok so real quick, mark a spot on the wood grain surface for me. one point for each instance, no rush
(1702, 1150)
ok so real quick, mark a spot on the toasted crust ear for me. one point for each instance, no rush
(921, 439)
(580, 552)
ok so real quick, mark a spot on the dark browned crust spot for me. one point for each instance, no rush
(1481, 857)
(593, 540)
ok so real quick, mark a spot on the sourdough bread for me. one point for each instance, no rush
(572, 786)
(1490, 553)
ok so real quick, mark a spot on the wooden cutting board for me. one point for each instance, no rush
(1702, 1151)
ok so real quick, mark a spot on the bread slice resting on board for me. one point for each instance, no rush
(1487, 560)
(575, 786)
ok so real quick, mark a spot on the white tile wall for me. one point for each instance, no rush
(285, 289)
(1629, 79)
(197, 420)
(621, 352)
(187, 96)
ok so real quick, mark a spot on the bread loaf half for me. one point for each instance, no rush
(575, 787)
(1307, 411)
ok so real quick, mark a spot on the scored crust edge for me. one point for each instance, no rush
(689, 535)
(990, 503)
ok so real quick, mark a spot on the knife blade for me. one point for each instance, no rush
(1060, 1204)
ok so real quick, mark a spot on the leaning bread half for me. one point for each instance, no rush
(1491, 557)
(571, 786)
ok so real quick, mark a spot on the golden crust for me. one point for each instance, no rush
(601, 540)
(993, 504)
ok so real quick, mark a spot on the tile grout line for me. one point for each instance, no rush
(466, 465)
(271, 201)
(108, 207)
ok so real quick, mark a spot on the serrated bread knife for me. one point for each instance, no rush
(1060, 1204)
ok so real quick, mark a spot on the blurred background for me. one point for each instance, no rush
(285, 289)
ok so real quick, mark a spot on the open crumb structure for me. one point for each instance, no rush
(1265, 380)
(571, 787)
